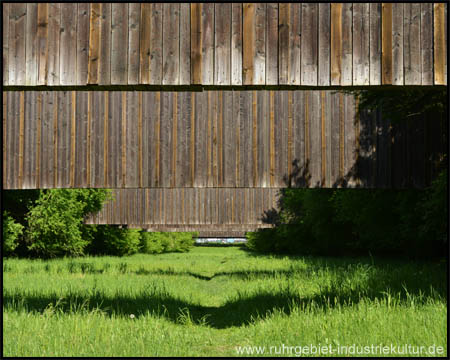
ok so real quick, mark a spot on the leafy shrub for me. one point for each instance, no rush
(112, 240)
(55, 222)
(159, 242)
(11, 233)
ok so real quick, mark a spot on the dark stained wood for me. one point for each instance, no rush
(134, 15)
(386, 40)
(222, 51)
(336, 43)
(119, 37)
(104, 67)
(440, 44)
(323, 69)
(375, 44)
(144, 44)
(94, 42)
(171, 44)
(248, 50)
(310, 32)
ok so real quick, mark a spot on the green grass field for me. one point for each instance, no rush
(211, 300)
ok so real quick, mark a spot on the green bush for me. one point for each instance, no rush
(55, 222)
(11, 233)
(112, 240)
(159, 242)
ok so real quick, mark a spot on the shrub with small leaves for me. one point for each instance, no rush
(11, 233)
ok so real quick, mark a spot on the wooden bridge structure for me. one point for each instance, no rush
(197, 114)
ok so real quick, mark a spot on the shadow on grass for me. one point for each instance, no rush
(245, 308)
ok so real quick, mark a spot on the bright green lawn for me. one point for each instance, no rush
(211, 300)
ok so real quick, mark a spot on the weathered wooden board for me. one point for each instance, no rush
(249, 212)
(214, 138)
(307, 44)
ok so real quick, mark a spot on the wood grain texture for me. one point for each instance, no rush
(397, 44)
(68, 47)
(215, 138)
(412, 45)
(386, 39)
(6, 12)
(375, 43)
(171, 44)
(134, 17)
(119, 37)
(31, 44)
(222, 41)
(236, 44)
(309, 48)
(323, 69)
(440, 44)
(82, 43)
(248, 43)
(361, 61)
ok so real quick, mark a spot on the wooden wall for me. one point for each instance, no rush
(179, 209)
(306, 44)
(216, 138)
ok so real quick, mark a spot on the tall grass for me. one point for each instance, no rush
(211, 300)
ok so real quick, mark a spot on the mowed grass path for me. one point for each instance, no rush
(211, 300)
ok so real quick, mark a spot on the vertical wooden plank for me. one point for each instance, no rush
(68, 46)
(54, 27)
(323, 70)
(144, 44)
(47, 158)
(236, 116)
(386, 43)
(347, 46)
(132, 134)
(82, 43)
(156, 44)
(326, 140)
(21, 137)
(272, 44)
(104, 63)
(134, 10)
(375, 44)
(81, 139)
(185, 44)
(309, 44)
(63, 138)
(298, 157)
(281, 137)
(196, 43)
(272, 136)
(208, 43)
(426, 42)
(397, 44)
(412, 44)
(440, 44)
(9, 138)
(72, 136)
(174, 118)
(229, 132)
(17, 43)
(123, 129)
(105, 137)
(336, 43)
(30, 121)
(97, 137)
(290, 134)
(315, 129)
(255, 138)
(361, 63)
(263, 120)
(55, 139)
(200, 138)
(94, 42)
(222, 53)
(248, 43)
(31, 42)
(283, 43)
(236, 44)
(259, 67)
(171, 43)
(295, 43)
(42, 41)
(6, 16)
(119, 37)
(192, 143)
(335, 139)
(166, 130)
(147, 119)
(140, 136)
(113, 107)
(350, 139)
